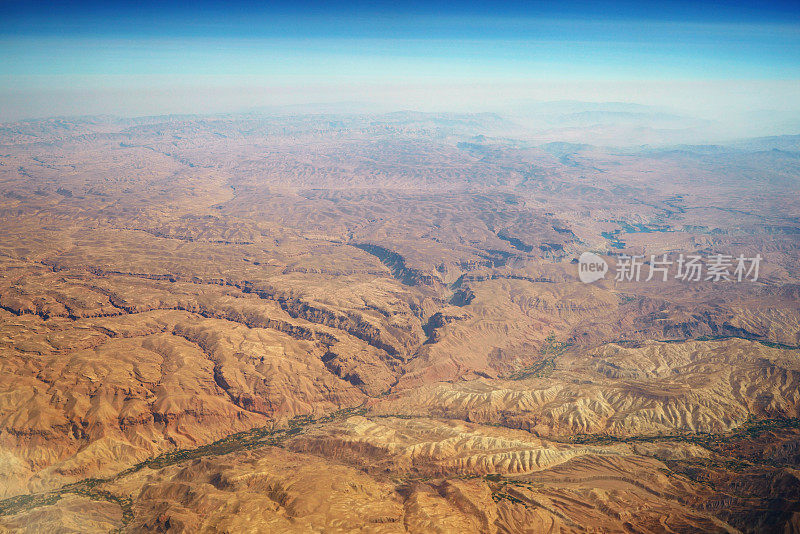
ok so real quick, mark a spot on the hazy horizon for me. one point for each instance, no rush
(735, 65)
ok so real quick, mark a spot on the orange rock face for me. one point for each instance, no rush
(376, 324)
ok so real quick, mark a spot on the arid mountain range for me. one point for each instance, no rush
(375, 323)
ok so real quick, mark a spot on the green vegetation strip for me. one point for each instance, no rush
(267, 436)
(638, 343)
(749, 429)
(545, 367)
(249, 439)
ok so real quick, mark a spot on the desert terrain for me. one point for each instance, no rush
(375, 323)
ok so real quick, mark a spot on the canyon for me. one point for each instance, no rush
(374, 322)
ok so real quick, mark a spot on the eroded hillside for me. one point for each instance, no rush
(332, 323)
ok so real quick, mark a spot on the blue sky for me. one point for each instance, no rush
(106, 51)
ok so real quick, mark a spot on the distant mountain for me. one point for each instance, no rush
(776, 142)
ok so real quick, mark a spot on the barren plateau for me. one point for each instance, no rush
(375, 323)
